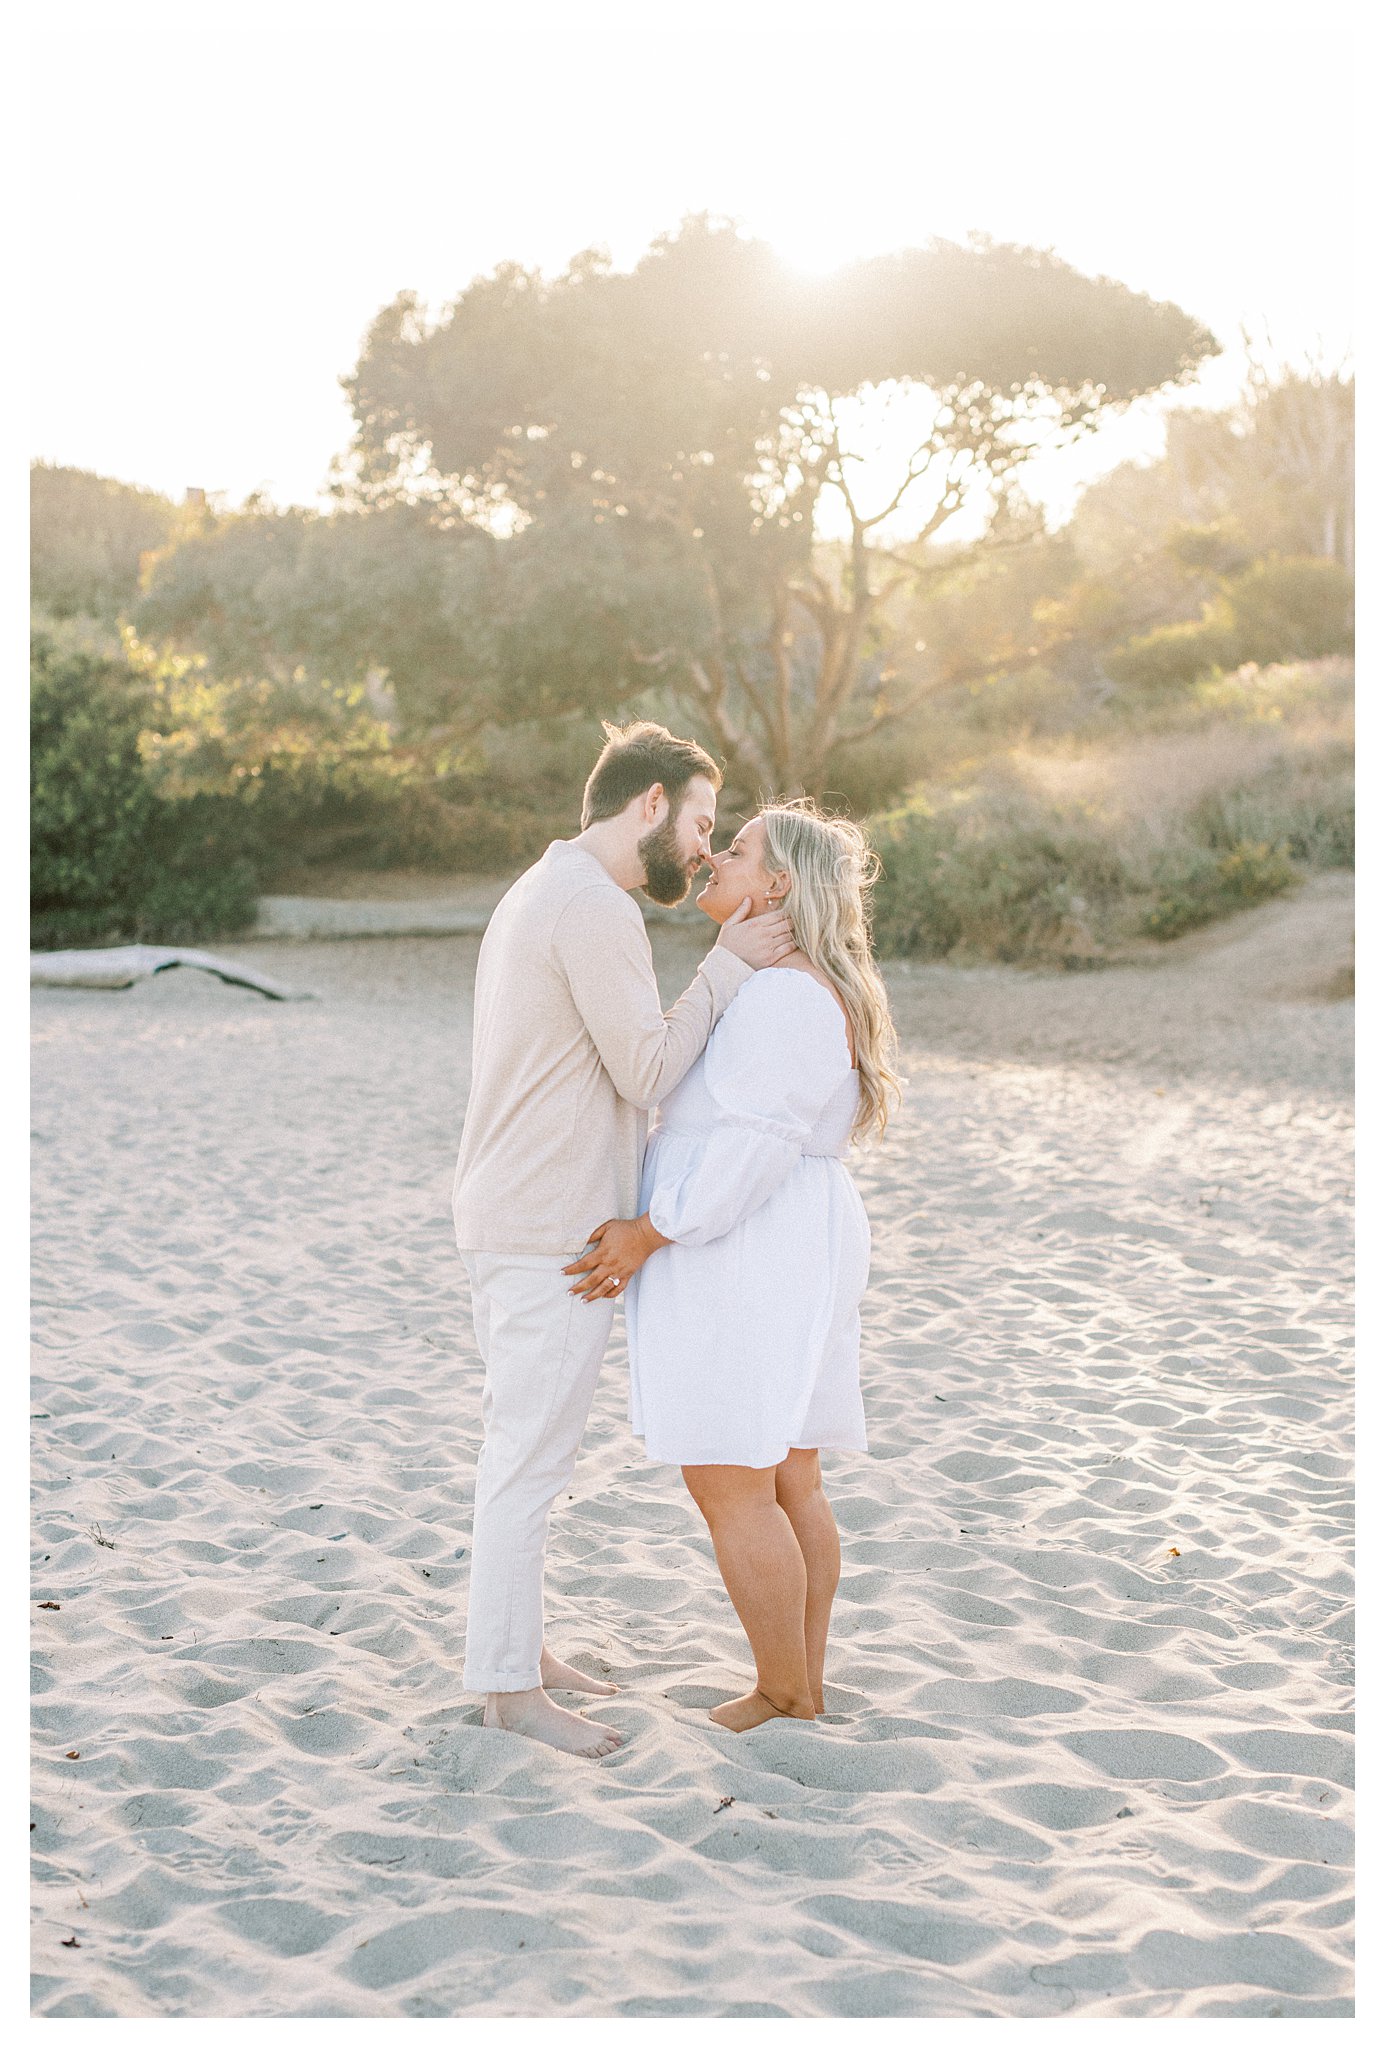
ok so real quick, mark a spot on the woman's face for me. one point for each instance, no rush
(740, 872)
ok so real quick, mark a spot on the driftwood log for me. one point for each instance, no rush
(123, 966)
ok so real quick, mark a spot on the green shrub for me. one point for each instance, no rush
(411, 825)
(314, 776)
(1000, 877)
(1292, 608)
(1284, 608)
(1195, 884)
(954, 726)
(1172, 657)
(164, 799)
(90, 805)
(183, 907)
(110, 859)
(997, 874)
(1307, 806)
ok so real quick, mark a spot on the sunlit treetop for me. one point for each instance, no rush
(656, 442)
(712, 346)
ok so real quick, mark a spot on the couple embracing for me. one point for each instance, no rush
(732, 1230)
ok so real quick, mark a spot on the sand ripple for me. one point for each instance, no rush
(1087, 1743)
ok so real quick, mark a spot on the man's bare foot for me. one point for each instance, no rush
(755, 1707)
(567, 1678)
(534, 1714)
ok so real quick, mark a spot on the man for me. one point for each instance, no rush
(571, 1050)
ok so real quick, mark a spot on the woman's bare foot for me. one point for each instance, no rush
(534, 1714)
(755, 1707)
(553, 1672)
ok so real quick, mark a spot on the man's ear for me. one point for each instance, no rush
(652, 797)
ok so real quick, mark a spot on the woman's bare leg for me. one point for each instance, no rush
(763, 1571)
(798, 1489)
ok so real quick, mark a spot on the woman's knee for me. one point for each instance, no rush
(797, 1478)
(724, 1490)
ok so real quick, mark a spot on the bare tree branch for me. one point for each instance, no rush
(889, 715)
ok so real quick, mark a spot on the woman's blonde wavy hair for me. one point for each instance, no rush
(832, 869)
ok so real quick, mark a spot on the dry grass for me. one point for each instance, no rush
(1071, 846)
(1234, 731)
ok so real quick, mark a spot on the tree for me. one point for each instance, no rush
(266, 593)
(88, 536)
(1282, 461)
(448, 630)
(1274, 473)
(649, 450)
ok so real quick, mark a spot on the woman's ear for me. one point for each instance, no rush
(778, 888)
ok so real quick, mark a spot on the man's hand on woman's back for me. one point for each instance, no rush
(758, 941)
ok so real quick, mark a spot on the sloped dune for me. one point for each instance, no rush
(1087, 1744)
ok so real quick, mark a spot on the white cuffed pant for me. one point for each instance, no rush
(542, 1349)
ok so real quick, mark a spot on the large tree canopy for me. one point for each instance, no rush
(646, 453)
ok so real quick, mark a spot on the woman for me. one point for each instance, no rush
(743, 1325)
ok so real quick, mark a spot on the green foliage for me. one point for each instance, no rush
(626, 527)
(1172, 657)
(91, 807)
(238, 737)
(163, 799)
(111, 859)
(202, 873)
(454, 828)
(314, 775)
(1292, 609)
(88, 537)
(1217, 549)
(1237, 546)
(1273, 610)
(354, 598)
(1194, 884)
(956, 727)
(999, 877)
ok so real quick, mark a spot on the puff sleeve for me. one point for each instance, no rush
(772, 1065)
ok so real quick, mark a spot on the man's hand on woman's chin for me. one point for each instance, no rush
(759, 941)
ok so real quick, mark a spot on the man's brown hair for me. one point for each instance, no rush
(635, 756)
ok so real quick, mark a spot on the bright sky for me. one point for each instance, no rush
(225, 195)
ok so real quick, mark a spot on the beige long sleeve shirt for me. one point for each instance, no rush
(570, 1051)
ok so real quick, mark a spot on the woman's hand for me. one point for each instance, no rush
(618, 1249)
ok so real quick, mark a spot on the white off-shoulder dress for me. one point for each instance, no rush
(744, 1332)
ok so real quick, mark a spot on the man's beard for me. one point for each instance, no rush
(667, 874)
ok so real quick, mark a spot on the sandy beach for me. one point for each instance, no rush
(1087, 1746)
